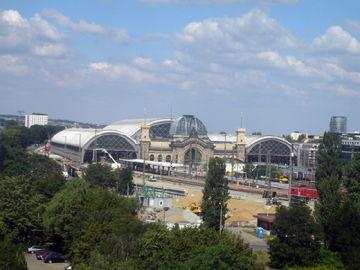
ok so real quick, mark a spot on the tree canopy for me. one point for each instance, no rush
(329, 158)
(297, 237)
(215, 194)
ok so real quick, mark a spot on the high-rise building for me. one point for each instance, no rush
(338, 124)
(40, 119)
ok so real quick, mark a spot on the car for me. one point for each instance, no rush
(40, 255)
(68, 267)
(54, 257)
(152, 178)
(34, 249)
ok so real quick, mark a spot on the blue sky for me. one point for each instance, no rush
(286, 64)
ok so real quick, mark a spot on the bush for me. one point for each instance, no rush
(11, 257)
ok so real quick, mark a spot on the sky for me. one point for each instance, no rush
(284, 65)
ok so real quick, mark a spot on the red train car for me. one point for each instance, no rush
(304, 192)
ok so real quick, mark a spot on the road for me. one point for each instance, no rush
(35, 264)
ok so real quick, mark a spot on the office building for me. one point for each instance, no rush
(338, 124)
(40, 119)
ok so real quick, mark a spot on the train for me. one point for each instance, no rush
(304, 192)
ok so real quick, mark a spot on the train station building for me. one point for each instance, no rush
(184, 140)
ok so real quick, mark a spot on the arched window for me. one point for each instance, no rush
(159, 158)
(168, 158)
(152, 157)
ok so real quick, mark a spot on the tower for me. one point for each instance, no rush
(240, 144)
(144, 142)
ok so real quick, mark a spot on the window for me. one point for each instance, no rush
(159, 158)
(168, 158)
(152, 157)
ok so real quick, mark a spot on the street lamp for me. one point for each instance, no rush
(220, 220)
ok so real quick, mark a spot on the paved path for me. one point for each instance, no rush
(35, 264)
(255, 243)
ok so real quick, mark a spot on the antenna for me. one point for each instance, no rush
(241, 119)
(171, 112)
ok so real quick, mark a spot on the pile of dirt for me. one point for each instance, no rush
(243, 210)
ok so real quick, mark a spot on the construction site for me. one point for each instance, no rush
(182, 204)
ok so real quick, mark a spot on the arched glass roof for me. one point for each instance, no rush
(186, 125)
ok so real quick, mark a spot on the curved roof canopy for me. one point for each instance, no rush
(83, 137)
(132, 127)
(187, 124)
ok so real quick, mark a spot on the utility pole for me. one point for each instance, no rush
(291, 173)
(268, 177)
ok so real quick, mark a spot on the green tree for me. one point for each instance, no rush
(329, 157)
(2, 152)
(11, 257)
(297, 238)
(328, 209)
(101, 176)
(328, 176)
(352, 175)
(347, 241)
(82, 219)
(192, 248)
(215, 194)
(125, 184)
(20, 210)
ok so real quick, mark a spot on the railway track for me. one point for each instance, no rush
(200, 183)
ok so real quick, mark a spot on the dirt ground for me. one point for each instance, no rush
(242, 210)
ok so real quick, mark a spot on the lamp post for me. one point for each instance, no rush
(220, 220)
(291, 174)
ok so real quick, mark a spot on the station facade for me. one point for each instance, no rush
(184, 140)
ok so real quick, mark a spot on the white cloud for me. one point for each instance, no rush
(289, 64)
(252, 31)
(337, 40)
(50, 50)
(117, 35)
(46, 29)
(21, 35)
(80, 26)
(13, 18)
(12, 65)
(120, 71)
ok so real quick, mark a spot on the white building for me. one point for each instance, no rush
(40, 119)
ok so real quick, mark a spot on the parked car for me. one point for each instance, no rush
(54, 257)
(33, 249)
(152, 178)
(40, 255)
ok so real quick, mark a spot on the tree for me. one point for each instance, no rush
(297, 239)
(83, 219)
(329, 157)
(193, 248)
(347, 241)
(11, 257)
(352, 175)
(215, 194)
(20, 210)
(328, 175)
(125, 183)
(101, 176)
